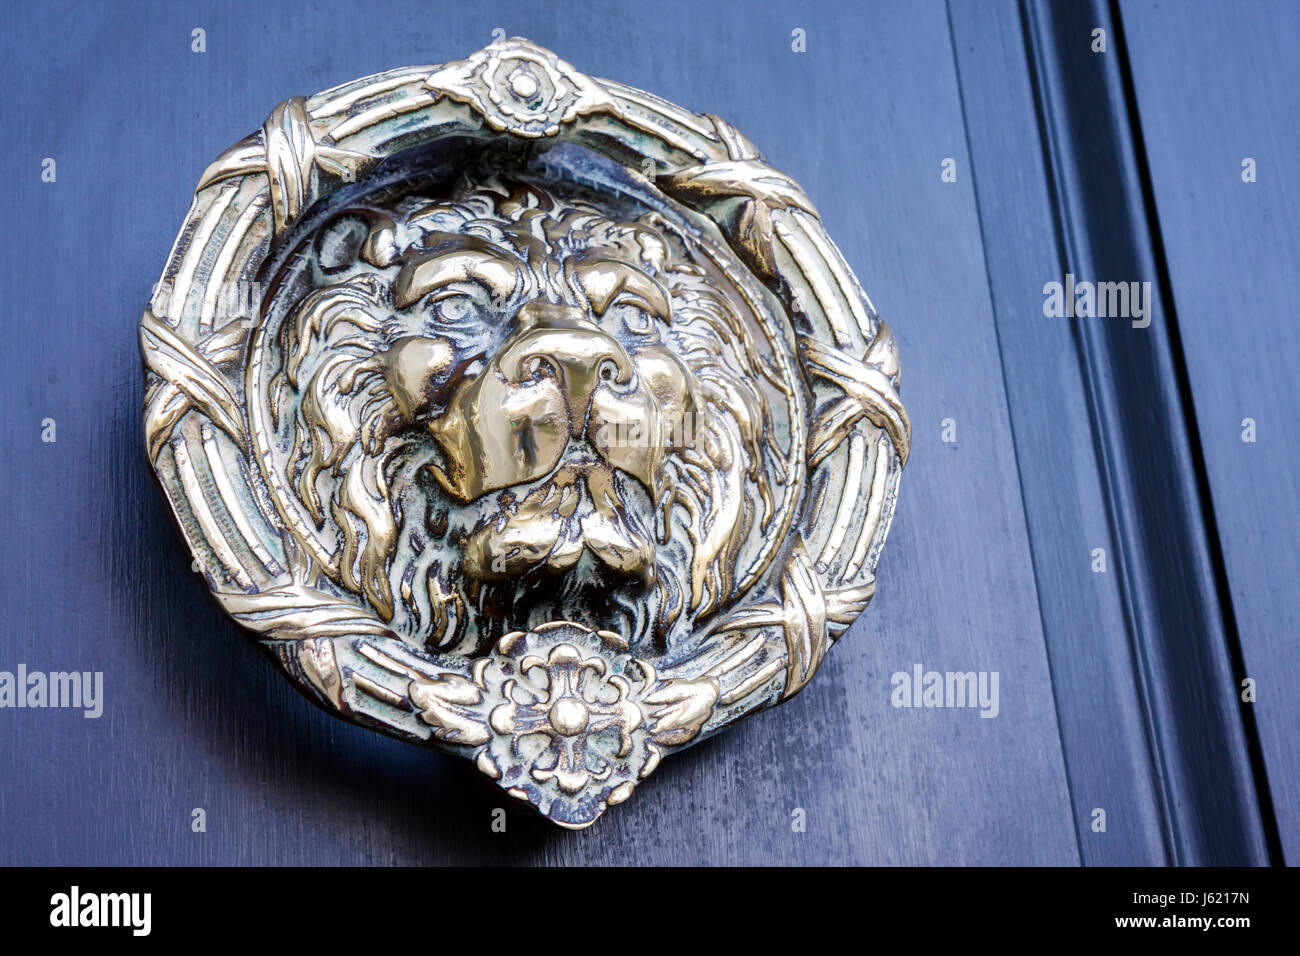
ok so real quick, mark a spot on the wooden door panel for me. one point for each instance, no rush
(1116, 689)
(1097, 690)
(1230, 247)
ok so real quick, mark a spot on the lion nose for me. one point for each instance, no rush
(560, 340)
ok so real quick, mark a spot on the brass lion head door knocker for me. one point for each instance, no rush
(523, 415)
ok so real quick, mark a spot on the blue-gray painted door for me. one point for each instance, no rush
(1103, 511)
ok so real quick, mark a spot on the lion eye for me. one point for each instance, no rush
(634, 318)
(455, 309)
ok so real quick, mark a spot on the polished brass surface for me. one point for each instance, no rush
(524, 415)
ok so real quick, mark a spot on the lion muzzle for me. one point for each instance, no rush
(556, 383)
(578, 510)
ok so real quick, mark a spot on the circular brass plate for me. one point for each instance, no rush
(524, 415)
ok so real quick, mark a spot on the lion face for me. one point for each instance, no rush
(510, 407)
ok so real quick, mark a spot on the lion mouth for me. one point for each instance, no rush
(577, 510)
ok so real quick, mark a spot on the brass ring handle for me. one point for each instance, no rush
(523, 415)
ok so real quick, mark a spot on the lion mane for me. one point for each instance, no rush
(358, 465)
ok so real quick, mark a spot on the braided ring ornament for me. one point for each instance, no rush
(523, 415)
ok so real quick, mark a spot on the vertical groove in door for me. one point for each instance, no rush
(1071, 773)
(1180, 624)
(1232, 638)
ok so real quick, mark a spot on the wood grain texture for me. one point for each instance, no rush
(1099, 701)
(1232, 250)
(982, 571)
(1147, 448)
(94, 575)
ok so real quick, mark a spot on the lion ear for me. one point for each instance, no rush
(654, 251)
(354, 236)
(380, 248)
